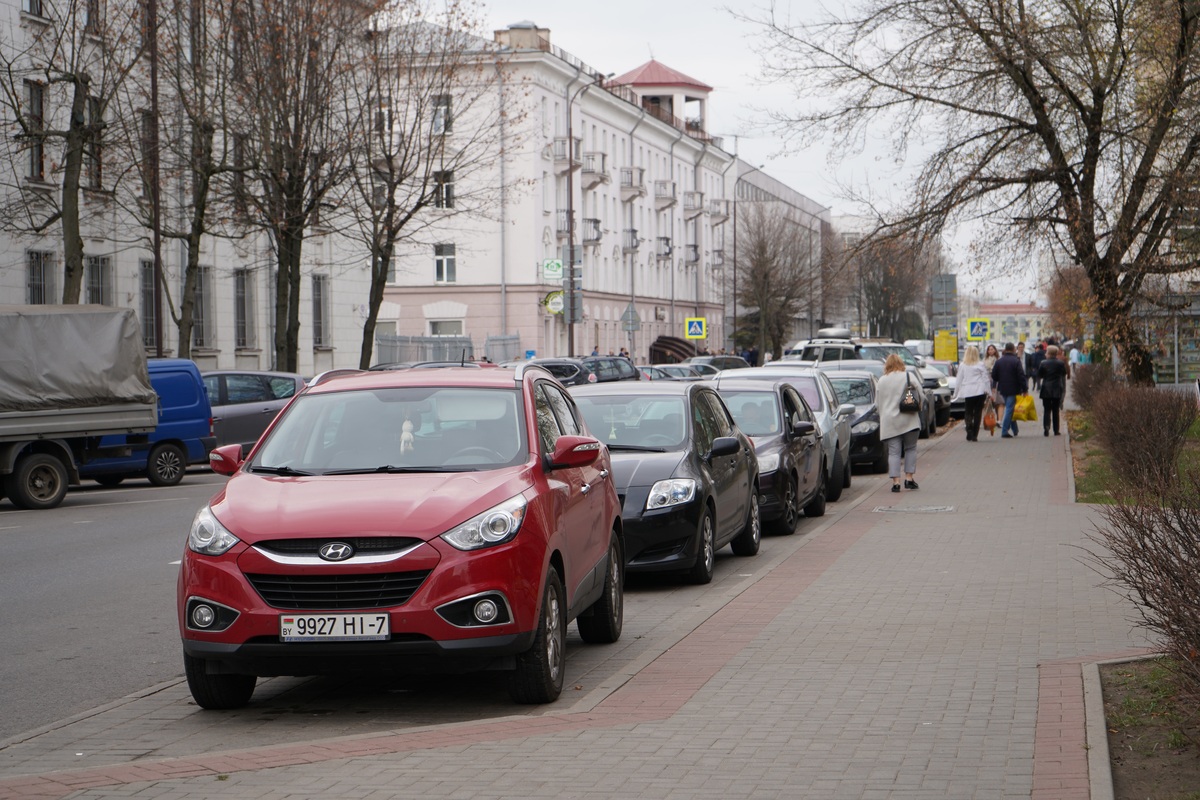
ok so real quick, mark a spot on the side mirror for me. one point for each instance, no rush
(803, 428)
(845, 410)
(226, 460)
(724, 446)
(574, 451)
(920, 360)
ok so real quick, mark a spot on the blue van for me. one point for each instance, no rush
(184, 434)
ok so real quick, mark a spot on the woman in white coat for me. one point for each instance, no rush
(899, 430)
(974, 387)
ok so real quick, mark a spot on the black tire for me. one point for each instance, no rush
(786, 524)
(816, 506)
(216, 692)
(109, 480)
(833, 483)
(748, 541)
(38, 482)
(924, 433)
(602, 622)
(166, 465)
(538, 677)
(943, 417)
(880, 465)
(846, 474)
(706, 554)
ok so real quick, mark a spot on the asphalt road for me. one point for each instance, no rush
(87, 603)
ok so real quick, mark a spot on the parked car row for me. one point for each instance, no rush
(458, 519)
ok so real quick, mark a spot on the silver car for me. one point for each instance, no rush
(245, 402)
(832, 419)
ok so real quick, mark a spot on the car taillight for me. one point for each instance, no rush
(210, 427)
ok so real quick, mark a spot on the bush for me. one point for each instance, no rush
(1151, 555)
(1143, 430)
(1088, 382)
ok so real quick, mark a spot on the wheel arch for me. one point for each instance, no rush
(11, 452)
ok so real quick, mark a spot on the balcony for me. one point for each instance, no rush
(567, 158)
(629, 240)
(693, 204)
(662, 249)
(591, 231)
(564, 223)
(718, 211)
(718, 258)
(633, 183)
(691, 254)
(664, 195)
(595, 170)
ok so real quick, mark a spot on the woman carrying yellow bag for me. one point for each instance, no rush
(1024, 410)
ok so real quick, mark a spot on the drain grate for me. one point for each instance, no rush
(914, 509)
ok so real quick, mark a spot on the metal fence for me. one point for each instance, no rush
(393, 349)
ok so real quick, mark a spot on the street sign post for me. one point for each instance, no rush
(977, 329)
(696, 328)
(630, 321)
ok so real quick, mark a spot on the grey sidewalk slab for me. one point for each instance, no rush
(890, 655)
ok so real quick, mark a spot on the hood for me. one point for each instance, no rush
(256, 507)
(642, 469)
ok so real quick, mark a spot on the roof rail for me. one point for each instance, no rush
(333, 373)
(522, 368)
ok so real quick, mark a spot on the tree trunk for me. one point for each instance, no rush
(74, 143)
(379, 267)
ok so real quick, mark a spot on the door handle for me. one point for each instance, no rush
(603, 474)
(587, 487)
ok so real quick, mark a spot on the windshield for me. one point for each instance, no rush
(418, 429)
(756, 413)
(626, 420)
(879, 352)
(855, 391)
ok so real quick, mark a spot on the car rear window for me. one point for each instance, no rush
(807, 387)
(855, 391)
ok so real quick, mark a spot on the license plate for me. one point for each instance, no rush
(333, 627)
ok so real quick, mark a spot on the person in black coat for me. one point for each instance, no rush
(1052, 374)
(1039, 355)
(1009, 376)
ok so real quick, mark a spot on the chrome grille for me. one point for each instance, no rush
(364, 545)
(337, 592)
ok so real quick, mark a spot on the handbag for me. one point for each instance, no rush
(909, 404)
(1024, 409)
(989, 418)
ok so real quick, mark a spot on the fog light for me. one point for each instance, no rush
(486, 611)
(203, 616)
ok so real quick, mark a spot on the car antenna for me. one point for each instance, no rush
(463, 359)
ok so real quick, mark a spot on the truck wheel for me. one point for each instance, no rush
(166, 465)
(39, 481)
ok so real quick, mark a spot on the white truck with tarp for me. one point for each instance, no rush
(69, 374)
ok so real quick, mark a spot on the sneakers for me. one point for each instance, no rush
(896, 487)
(907, 485)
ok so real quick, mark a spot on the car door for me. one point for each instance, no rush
(248, 410)
(584, 529)
(806, 450)
(731, 473)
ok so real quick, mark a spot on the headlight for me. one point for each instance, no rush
(494, 526)
(671, 493)
(943, 382)
(768, 463)
(208, 535)
(865, 426)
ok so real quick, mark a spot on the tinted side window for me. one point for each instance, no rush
(281, 387)
(810, 353)
(626, 370)
(246, 389)
(704, 428)
(564, 411)
(722, 422)
(547, 422)
(564, 372)
(831, 354)
(212, 383)
(795, 407)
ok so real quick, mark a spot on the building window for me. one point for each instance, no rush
(97, 280)
(446, 327)
(442, 118)
(148, 306)
(39, 280)
(243, 308)
(202, 332)
(443, 189)
(444, 268)
(35, 120)
(322, 333)
(33, 7)
(94, 148)
(92, 19)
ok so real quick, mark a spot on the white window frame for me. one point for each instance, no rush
(40, 271)
(322, 310)
(445, 263)
(244, 331)
(435, 324)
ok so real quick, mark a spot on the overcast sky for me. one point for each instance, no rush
(701, 39)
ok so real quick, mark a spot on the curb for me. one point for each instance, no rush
(1098, 756)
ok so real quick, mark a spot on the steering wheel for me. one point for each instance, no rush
(477, 450)
(658, 439)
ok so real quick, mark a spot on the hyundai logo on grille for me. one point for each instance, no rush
(336, 551)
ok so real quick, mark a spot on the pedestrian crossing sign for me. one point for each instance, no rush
(697, 328)
(977, 329)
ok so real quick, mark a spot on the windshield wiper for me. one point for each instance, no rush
(389, 469)
(279, 470)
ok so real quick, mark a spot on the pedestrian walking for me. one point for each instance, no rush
(752, 356)
(898, 429)
(990, 356)
(1009, 377)
(1039, 355)
(1026, 359)
(1053, 374)
(974, 387)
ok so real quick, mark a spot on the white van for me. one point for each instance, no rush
(920, 347)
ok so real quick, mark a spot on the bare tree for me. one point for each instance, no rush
(894, 275)
(1072, 304)
(432, 111)
(1068, 122)
(59, 71)
(775, 270)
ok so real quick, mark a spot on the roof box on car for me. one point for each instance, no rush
(834, 333)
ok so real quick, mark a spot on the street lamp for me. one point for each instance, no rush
(570, 305)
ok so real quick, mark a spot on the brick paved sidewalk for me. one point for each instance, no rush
(924, 645)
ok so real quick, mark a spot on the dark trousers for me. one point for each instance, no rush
(973, 414)
(1050, 407)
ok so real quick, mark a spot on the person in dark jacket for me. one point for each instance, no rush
(1052, 374)
(1009, 375)
(1039, 355)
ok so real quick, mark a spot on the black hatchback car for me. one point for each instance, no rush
(589, 369)
(857, 387)
(686, 476)
(780, 424)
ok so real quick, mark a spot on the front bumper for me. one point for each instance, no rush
(663, 540)
(866, 448)
(771, 487)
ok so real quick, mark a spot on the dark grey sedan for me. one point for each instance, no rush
(245, 402)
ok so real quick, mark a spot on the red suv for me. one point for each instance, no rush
(450, 519)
